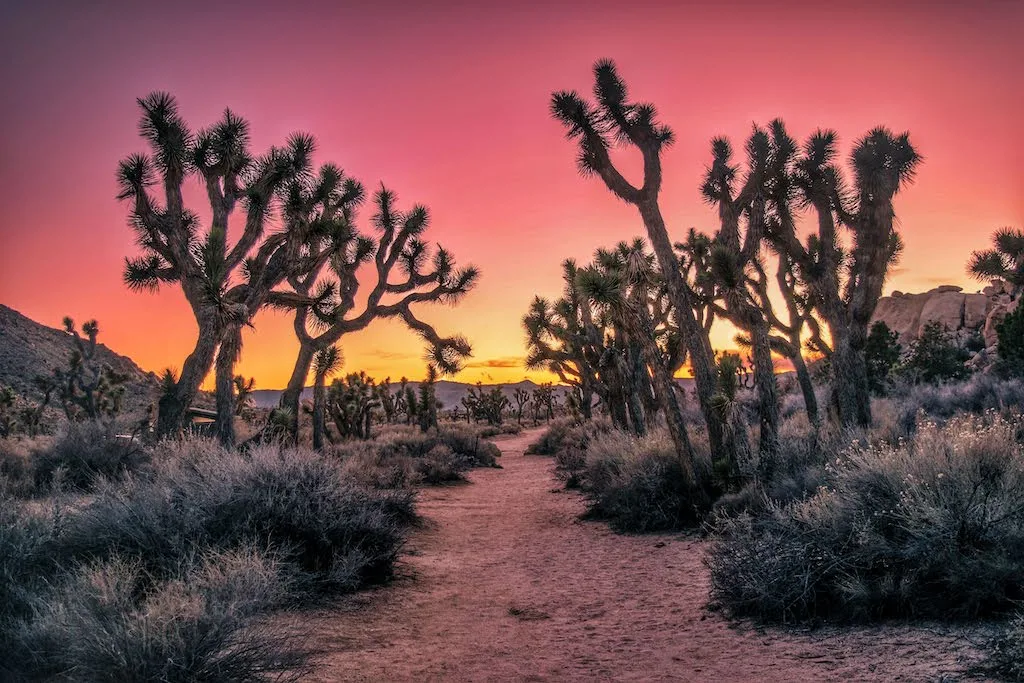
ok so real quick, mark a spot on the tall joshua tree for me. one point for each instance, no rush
(735, 260)
(176, 250)
(844, 285)
(407, 273)
(597, 128)
(1004, 261)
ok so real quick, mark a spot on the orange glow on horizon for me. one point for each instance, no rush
(449, 107)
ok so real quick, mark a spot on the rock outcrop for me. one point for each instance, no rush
(966, 315)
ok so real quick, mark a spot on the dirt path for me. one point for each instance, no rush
(505, 584)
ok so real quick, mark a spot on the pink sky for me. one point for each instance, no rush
(449, 107)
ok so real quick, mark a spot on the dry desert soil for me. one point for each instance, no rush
(505, 583)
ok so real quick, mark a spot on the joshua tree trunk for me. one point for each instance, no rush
(767, 392)
(663, 390)
(319, 416)
(227, 355)
(803, 376)
(172, 405)
(291, 397)
(850, 398)
(696, 340)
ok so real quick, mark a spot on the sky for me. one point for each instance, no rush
(447, 104)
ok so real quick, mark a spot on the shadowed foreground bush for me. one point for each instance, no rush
(108, 622)
(331, 533)
(639, 485)
(1006, 652)
(83, 454)
(932, 527)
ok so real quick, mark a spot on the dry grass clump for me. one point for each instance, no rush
(333, 534)
(553, 439)
(83, 454)
(638, 484)
(109, 621)
(930, 527)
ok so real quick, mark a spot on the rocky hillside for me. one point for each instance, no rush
(28, 349)
(963, 313)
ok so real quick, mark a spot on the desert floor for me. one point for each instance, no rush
(504, 583)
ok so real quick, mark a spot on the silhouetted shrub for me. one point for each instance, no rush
(571, 457)
(935, 356)
(331, 533)
(85, 452)
(881, 355)
(107, 622)
(1010, 346)
(932, 527)
(25, 569)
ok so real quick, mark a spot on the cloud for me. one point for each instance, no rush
(503, 362)
(392, 355)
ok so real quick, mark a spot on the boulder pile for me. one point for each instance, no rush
(966, 315)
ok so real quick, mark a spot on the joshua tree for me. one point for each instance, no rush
(621, 281)
(351, 402)
(844, 286)
(243, 393)
(486, 405)
(735, 262)
(326, 363)
(223, 285)
(86, 388)
(565, 338)
(428, 403)
(597, 128)
(1005, 261)
(399, 250)
(522, 398)
(544, 402)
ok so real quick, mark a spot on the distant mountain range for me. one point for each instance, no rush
(29, 349)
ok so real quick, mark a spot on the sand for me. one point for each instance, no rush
(504, 583)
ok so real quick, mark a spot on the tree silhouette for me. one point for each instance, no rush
(224, 285)
(407, 273)
(843, 285)
(614, 120)
(1004, 261)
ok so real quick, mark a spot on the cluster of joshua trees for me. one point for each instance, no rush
(306, 264)
(630, 319)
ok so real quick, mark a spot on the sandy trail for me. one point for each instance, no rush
(505, 584)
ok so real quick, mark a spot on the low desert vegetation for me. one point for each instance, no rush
(168, 572)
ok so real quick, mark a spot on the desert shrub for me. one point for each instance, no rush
(935, 356)
(1006, 652)
(107, 622)
(463, 440)
(881, 355)
(980, 393)
(638, 484)
(331, 533)
(932, 527)
(1010, 344)
(25, 567)
(571, 458)
(85, 452)
(440, 466)
(16, 476)
(552, 439)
